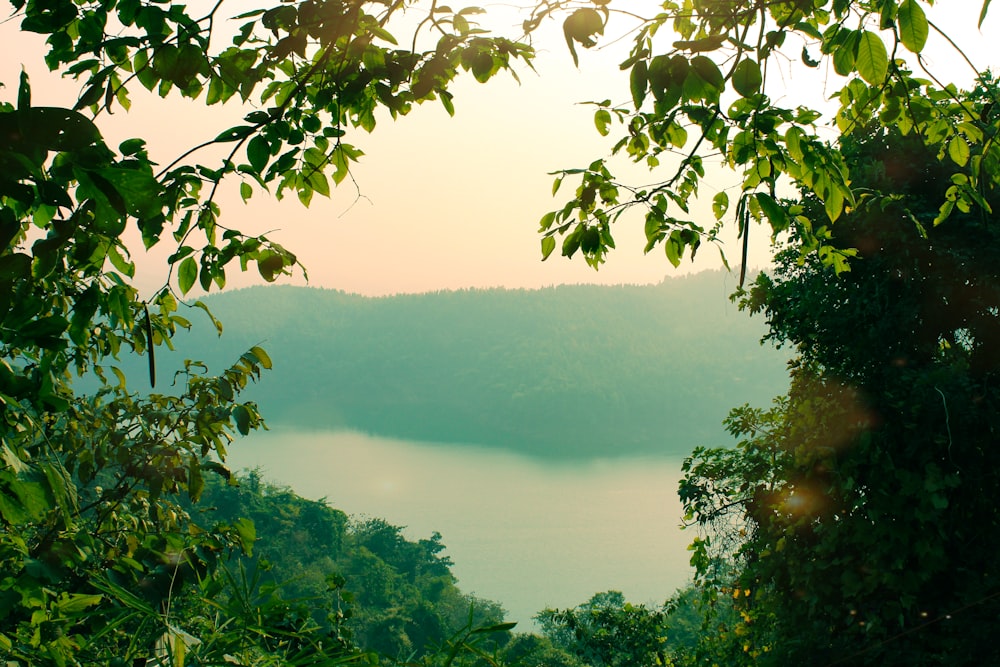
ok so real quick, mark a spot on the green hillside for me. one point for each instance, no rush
(393, 595)
(570, 371)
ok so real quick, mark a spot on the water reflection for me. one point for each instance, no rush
(524, 532)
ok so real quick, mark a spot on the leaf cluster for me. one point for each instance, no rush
(95, 544)
(850, 514)
(608, 631)
(707, 97)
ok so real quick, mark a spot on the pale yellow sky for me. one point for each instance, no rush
(453, 202)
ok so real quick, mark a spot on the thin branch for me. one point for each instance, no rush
(954, 46)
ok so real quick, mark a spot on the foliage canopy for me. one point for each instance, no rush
(95, 543)
(856, 518)
(702, 79)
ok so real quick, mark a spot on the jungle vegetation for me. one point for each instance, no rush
(853, 522)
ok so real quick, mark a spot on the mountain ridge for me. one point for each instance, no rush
(566, 371)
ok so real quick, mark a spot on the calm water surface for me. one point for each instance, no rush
(523, 532)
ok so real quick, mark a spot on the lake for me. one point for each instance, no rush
(527, 533)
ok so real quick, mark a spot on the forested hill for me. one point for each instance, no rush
(569, 371)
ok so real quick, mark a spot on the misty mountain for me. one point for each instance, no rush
(569, 371)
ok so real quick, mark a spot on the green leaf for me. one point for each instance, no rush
(666, 77)
(9, 458)
(225, 389)
(747, 78)
(499, 627)
(709, 43)
(123, 596)
(318, 182)
(261, 355)
(74, 603)
(793, 142)
(845, 52)
(44, 327)
(187, 274)
(982, 12)
(269, 265)
(913, 26)
(720, 204)
(571, 243)
(139, 190)
(83, 313)
(144, 72)
(242, 418)
(674, 249)
(580, 26)
(215, 322)
(447, 102)
(55, 128)
(305, 194)
(807, 60)
(247, 534)
(166, 302)
(602, 120)
(24, 92)
(774, 212)
(708, 72)
(132, 146)
(381, 33)
(873, 60)
(547, 220)
(218, 469)
(958, 150)
(235, 133)
(11, 510)
(120, 375)
(196, 483)
(638, 82)
(834, 204)
(947, 206)
(548, 246)
(29, 501)
(91, 95)
(258, 153)
(216, 90)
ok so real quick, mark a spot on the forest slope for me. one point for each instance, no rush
(569, 371)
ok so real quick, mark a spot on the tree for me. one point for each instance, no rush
(363, 580)
(607, 631)
(860, 509)
(530, 650)
(95, 545)
(701, 93)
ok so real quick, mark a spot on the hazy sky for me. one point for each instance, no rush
(455, 202)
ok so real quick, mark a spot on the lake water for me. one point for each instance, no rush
(524, 532)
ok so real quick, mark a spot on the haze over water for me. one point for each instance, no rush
(524, 532)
